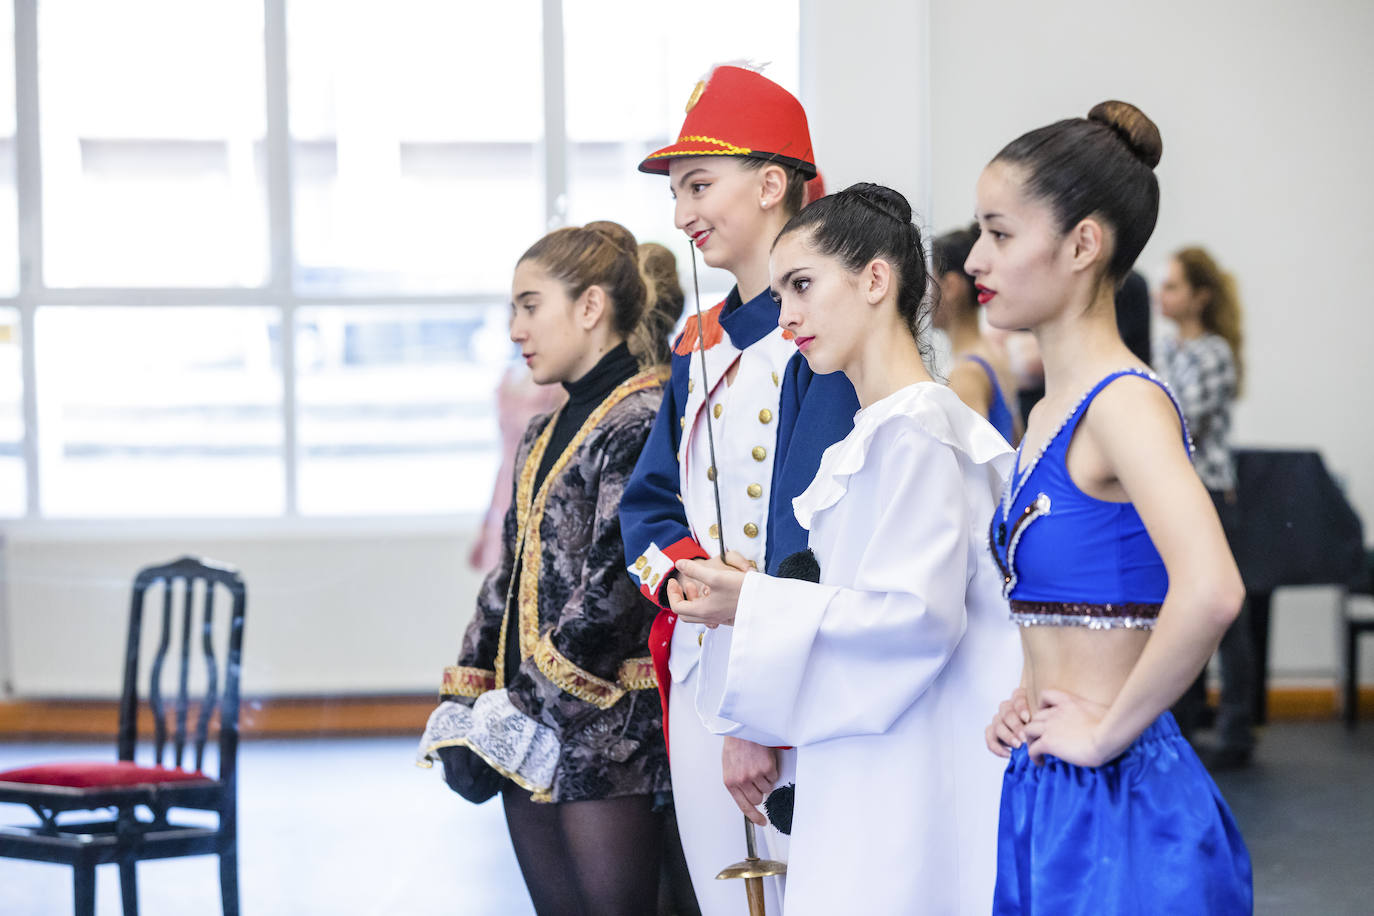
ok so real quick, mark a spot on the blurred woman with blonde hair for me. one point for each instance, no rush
(1205, 366)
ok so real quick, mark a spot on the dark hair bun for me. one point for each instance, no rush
(882, 198)
(1130, 124)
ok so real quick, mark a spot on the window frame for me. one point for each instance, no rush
(278, 292)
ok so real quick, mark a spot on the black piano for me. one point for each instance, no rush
(1296, 528)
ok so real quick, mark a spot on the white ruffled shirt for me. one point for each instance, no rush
(884, 674)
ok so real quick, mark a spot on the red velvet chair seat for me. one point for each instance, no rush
(99, 775)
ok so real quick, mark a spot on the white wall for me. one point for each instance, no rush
(865, 68)
(378, 612)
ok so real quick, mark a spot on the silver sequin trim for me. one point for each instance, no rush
(1040, 507)
(1084, 620)
(1125, 615)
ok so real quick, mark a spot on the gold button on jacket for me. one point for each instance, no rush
(765, 416)
(714, 531)
(711, 473)
(759, 453)
(751, 530)
(716, 411)
(755, 491)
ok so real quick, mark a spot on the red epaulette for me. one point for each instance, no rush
(690, 338)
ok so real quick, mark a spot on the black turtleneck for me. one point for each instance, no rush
(584, 395)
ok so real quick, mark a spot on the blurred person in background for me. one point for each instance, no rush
(980, 372)
(1205, 367)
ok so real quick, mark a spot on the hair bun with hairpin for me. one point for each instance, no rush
(883, 199)
(617, 235)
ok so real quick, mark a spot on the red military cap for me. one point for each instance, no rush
(737, 112)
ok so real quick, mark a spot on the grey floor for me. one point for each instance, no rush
(343, 827)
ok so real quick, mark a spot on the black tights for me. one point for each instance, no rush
(588, 858)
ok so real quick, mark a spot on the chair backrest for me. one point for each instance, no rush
(173, 718)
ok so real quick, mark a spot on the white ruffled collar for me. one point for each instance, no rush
(936, 409)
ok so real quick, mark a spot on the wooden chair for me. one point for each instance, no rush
(121, 835)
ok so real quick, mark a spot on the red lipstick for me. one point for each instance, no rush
(984, 294)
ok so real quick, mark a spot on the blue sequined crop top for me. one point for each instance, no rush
(1069, 559)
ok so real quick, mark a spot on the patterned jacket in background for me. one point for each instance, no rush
(1202, 374)
(582, 624)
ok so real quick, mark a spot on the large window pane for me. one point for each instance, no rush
(415, 129)
(159, 411)
(12, 491)
(9, 207)
(152, 124)
(614, 122)
(396, 408)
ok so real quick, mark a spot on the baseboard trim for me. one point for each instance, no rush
(1314, 704)
(274, 717)
(22, 720)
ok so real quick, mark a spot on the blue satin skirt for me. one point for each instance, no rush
(1146, 833)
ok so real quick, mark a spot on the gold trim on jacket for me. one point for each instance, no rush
(634, 674)
(529, 516)
(461, 681)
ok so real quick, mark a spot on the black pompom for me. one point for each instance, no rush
(800, 565)
(778, 806)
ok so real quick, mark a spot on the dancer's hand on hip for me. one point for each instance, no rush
(1066, 726)
(1007, 731)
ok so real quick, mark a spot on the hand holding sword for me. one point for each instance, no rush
(709, 591)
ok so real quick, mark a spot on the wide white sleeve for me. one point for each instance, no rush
(808, 662)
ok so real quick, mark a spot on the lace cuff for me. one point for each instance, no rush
(513, 744)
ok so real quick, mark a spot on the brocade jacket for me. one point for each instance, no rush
(580, 718)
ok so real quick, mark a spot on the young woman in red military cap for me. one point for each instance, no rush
(738, 171)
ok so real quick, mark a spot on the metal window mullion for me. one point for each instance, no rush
(280, 231)
(555, 144)
(29, 196)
